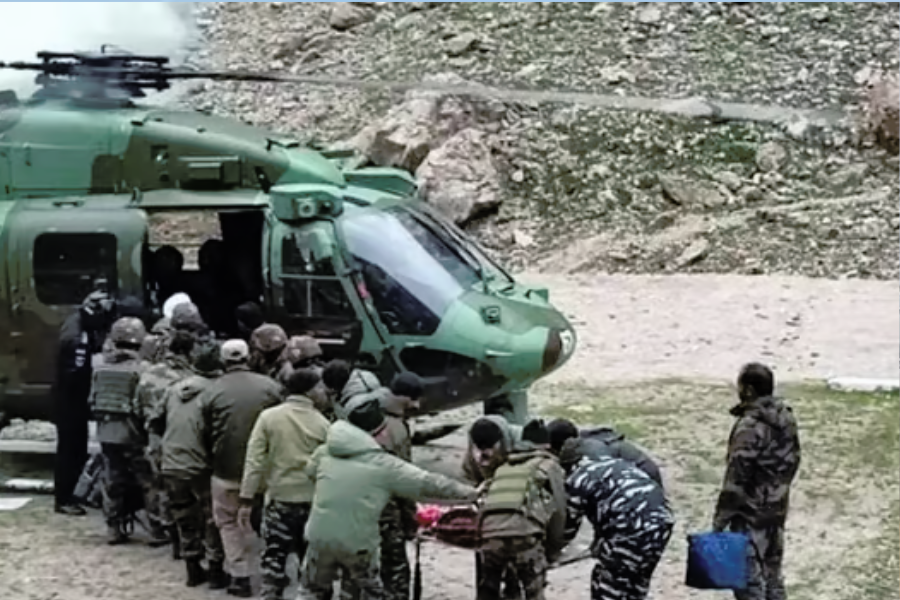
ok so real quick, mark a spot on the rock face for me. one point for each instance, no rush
(445, 142)
(346, 15)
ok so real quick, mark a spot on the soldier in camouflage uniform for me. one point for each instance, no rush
(281, 444)
(267, 343)
(175, 366)
(185, 466)
(631, 517)
(120, 429)
(763, 459)
(522, 518)
(398, 521)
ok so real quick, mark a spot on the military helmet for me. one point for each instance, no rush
(186, 316)
(301, 348)
(128, 331)
(268, 339)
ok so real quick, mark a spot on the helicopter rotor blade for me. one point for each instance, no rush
(690, 107)
(696, 107)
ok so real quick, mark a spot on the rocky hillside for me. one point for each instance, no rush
(573, 188)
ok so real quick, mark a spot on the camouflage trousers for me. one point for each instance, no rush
(283, 524)
(128, 485)
(158, 486)
(766, 581)
(626, 564)
(523, 556)
(395, 571)
(323, 567)
(190, 501)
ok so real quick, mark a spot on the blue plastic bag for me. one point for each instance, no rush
(718, 561)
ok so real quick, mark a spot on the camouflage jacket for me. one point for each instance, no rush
(152, 388)
(763, 458)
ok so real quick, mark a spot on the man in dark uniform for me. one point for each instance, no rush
(81, 336)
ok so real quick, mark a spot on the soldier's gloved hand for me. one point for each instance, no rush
(244, 515)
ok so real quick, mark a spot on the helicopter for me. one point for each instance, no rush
(329, 246)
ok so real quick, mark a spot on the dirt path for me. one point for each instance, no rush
(633, 328)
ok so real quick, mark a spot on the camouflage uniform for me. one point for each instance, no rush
(632, 524)
(522, 524)
(267, 345)
(120, 429)
(763, 459)
(321, 570)
(282, 532)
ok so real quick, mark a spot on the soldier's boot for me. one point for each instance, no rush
(195, 573)
(218, 578)
(240, 587)
(117, 534)
(176, 542)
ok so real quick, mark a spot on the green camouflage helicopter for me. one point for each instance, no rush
(329, 247)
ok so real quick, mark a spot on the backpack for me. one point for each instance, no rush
(518, 487)
(114, 390)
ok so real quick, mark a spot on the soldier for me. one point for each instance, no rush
(522, 518)
(281, 444)
(185, 467)
(355, 478)
(81, 335)
(603, 441)
(266, 346)
(231, 406)
(398, 521)
(120, 429)
(763, 459)
(631, 518)
(300, 352)
(155, 380)
(248, 317)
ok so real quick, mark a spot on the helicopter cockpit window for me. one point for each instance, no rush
(311, 288)
(66, 265)
(411, 274)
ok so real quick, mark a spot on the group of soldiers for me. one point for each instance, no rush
(222, 440)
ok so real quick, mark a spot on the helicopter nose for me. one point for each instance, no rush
(560, 345)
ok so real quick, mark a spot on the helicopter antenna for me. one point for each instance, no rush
(121, 74)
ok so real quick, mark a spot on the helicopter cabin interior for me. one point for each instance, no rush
(224, 258)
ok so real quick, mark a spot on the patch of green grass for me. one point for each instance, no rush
(845, 515)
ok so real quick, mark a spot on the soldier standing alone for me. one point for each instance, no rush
(763, 459)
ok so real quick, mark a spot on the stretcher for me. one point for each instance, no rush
(456, 526)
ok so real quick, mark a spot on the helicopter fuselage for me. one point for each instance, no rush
(345, 253)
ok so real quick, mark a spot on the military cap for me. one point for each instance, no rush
(235, 351)
(268, 338)
(128, 331)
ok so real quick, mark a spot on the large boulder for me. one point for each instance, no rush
(882, 109)
(447, 142)
(460, 177)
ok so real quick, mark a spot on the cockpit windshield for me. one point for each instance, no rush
(412, 274)
(491, 271)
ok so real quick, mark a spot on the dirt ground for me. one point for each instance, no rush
(637, 335)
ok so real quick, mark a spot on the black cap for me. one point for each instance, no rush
(407, 384)
(368, 417)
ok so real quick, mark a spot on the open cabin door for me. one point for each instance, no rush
(57, 250)
(311, 293)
